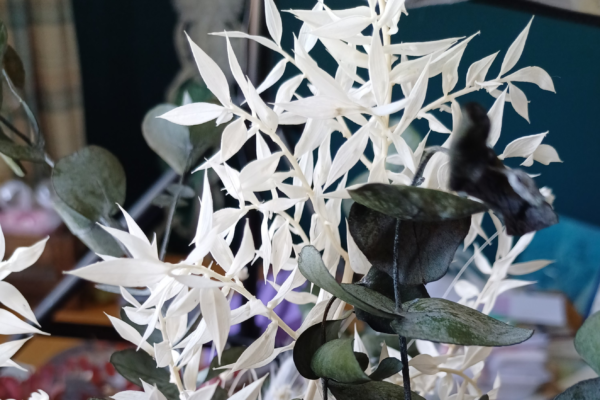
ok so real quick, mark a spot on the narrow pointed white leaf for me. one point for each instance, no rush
(439, 60)
(204, 393)
(320, 107)
(323, 162)
(312, 136)
(378, 70)
(130, 334)
(202, 248)
(274, 76)
(391, 108)
(198, 282)
(343, 28)
(259, 39)
(262, 148)
(247, 311)
(266, 245)
(392, 9)
(10, 324)
(24, 257)
(346, 54)
(205, 218)
(434, 123)
(190, 378)
(465, 289)
(515, 50)
(546, 154)
(264, 112)
(233, 138)
(140, 249)
(532, 75)
(281, 248)
(193, 114)
(222, 253)
(258, 351)
(216, 312)
(9, 349)
(421, 48)
(256, 172)
(280, 204)
(286, 91)
(358, 261)
(474, 355)
(236, 70)
(273, 21)
(528, 267)
(133, 227)
(130, 395)
(479, 69)
(523, 146)
(162, 354)
(481, 262)
(2, 244)
(415, 102)
(127, 272)
(245, 252)
(251, 391)
(519, 101)
(129, 297)
(348, 154)
(495, 115)
(183, 304)
(11, 298)
(294, 280)
(378, 174)
(211, 74)
(405, 153)
(450, 73)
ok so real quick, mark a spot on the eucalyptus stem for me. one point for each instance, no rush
(165, 242)
(324, 337)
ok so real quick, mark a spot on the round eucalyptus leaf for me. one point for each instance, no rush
(586, 390)
(138, 365)
(587, 342)
(336, 360)
(387, 367)
(309, 342)
(91, 182)
(414, 203)
(443, 321)
(312, 267)
(373, 390)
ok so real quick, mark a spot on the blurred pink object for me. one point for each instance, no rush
(38, 222)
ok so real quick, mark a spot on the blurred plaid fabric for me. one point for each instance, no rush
(43, 34)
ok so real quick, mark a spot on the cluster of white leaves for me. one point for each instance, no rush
(285, 184)
(12, 299)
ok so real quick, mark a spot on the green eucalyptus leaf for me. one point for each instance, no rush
(155, 336)
(3, 38)
(312, 267)
(220, 394)
(229, 356)
(336, 360)
(484, 397)
(163, 200)
(443, 321)
(374, 390)
(21, 152)
(184, 191)
(387, 367)
(426, 249)
(205, 137)
(170, 141)
(363, 360)
(587, 341)
(370, 297)
(586, 390)
(139, 365)
(414, 203)
(93, 236)
(91, 182)
(14, 67)
(309, 342)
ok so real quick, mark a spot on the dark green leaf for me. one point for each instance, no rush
(363, 360)
(373, 390)
(309, 342)
(3, 38)
(205, 137)
(336, 360)
(155, 336)
(94, 237)
(426, 249)
(587, 342)
(443, 321)
(387, 367)
(229, 356)
(370, 297)
(413, 203)
(184, 191)
(220, 394)
(91, 182)
(586, 390)
(135, 365)
(14, 67)
(170, 141)
(484, 397)
(312, 267)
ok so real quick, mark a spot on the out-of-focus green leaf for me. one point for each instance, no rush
(3, 39)
(14, 67)
(586, 390)
(374, 390)
(139, 365)
(184, 191)
(220, 394)
(336, 360)
(93, 236)
(91, 182)
(229, 356)
(387, 367)
(587, 342)
(414, 203)
(312, 267)
(309, 342)
(443, 321)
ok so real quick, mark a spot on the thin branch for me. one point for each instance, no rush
(15, 130)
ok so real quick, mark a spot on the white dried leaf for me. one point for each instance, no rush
(205, 392)
(358, 261)
(286, 91)
(236, 70)
(528, 267)
(258, 351)
(479, 69)
(391, 108)
(450, 72)
(523, 146)
(312, 136)
(546, 154)
(378, 70)
(250, 392)
(415, 102)
(127, 272)
(216, 313)
(257, 171)
(162, 354)
(405, 153)
(12, 299)
(274, 76)
(348, 154)
(245, 252)
(425, 364)
(320, 107)
(130, 334)
(515, 50)
(281, 248)
(264, 112)
(233, 138)
(392, 9)
(193, 114)
(532, 75)
(465, 289)
(273, 21)
(9, 349)
(211, 74)
(519, 101)
(495, 115)
(434, 123)
(343, 28)
(421, 48)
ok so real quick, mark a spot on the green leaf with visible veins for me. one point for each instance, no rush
(587, 341)
(586, 390)
(373, 390)
(387, 367)
(414, 203)
(443, 321)
(336, 360)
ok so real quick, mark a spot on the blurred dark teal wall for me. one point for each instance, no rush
(568, 51)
